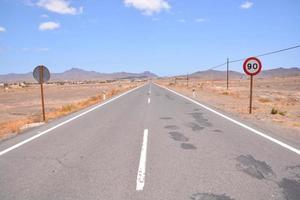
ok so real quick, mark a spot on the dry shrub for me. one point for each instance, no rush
(264, 100)
(297, 124)
(274, 111)
(16, 125)
(114, 92)
(282, 113)
(68, 108)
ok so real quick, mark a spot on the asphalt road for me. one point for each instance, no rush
(152, 146)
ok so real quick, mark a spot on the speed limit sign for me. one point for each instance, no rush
(252, 66)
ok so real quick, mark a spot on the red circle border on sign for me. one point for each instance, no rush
(259, 66)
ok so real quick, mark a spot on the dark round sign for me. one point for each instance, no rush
(252, 66)
(41, 74)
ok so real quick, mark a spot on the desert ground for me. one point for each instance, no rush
(22, 105)
(276, 101)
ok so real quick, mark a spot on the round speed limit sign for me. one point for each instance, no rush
(252, 66)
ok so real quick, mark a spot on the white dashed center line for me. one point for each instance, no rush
(140, 180)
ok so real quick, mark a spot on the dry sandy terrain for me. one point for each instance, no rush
(22, 103)
(282, 94)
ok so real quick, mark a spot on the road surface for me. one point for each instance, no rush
(151, 144)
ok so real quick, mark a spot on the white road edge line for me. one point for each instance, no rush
(63, 123)
(140, 179)
(293, 149)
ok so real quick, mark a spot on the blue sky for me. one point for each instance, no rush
(167, 37)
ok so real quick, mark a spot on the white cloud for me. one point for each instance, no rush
(49, 26)
(2, 29)
(247, 5)
(44, 16)
(199, 20)
(59, 6)
(148, 7)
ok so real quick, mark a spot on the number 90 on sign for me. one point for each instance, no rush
(252, 66)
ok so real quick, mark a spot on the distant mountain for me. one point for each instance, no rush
(12, 77)
(271, 73)
(280, 72)
(216, 75)
(76, 74)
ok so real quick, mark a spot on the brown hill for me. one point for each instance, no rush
(271, 73)
(76, 74)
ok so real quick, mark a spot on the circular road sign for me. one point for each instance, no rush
(41, 74)
(252, 66)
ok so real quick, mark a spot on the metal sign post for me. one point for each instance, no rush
(41, 74)
(251, 88)
(42, 92)
(252, 66)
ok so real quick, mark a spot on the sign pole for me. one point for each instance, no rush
(251, 87)
(227, 73)
(42, 91)
(252, 66)
(41, 74)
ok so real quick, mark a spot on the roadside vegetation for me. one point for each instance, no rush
(16, 126)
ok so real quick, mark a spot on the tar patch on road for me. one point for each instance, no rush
(294, 171)
(188, 146)
(209, 196)
(200, 119)
(169, 97)
(218, 131)
(172, 127)
(291, 188)
(195, 126)
(290, 185)
(175, 135)
(254, 168)
(166, 118)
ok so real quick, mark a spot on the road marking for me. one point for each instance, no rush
(149, 100)
(293, 149)
(63, 123)
(140, 180)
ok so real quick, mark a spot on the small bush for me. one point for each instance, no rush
(67, 108)
(274, 111)
(282, 113)
(114, 92)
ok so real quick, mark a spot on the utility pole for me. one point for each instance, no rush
(187, 80)
(227, 73)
